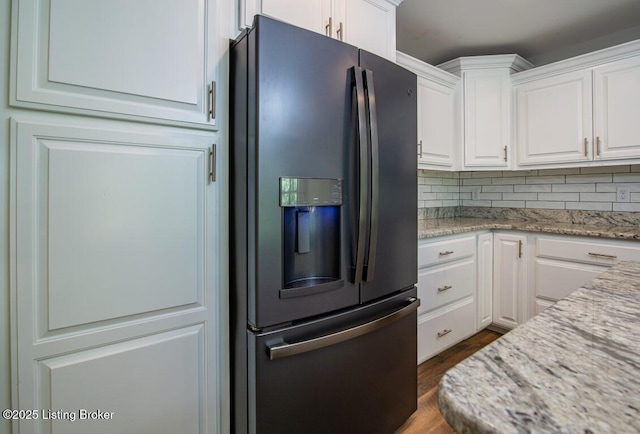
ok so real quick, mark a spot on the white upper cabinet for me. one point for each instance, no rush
(554, 119)
(581, 111)
(487, 126)
(118, 58)
(438, 114)
(436, 133)
(370, 25)
(312, 15)
(367, 24)
(616, 109)
(486, 101)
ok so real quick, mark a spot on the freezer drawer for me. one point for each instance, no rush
(351, 373)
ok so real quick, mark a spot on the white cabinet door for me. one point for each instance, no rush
(368, 24)
(436, 115)
(510, 277)
(555, 280)
(117, 296)
(616, 102)
(554, 119)
(312, 15)
(117, 58)
(484, 298)
(487, 113)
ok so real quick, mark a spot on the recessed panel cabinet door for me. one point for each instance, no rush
(616, 103)
(115, 296)
(510, 280)
(554, 119)
(146, 58)
(310, 14)
(487, 107)
(436, 134)
(367, 24)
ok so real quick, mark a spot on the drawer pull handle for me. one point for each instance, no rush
(448, 252)
(444, 288)
(444, 333)
(602, 255)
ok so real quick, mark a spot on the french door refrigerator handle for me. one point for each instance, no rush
(284, 349)
(373, 210)
(363, 176)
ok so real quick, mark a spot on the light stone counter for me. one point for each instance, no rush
(431, 228)
(574, 368)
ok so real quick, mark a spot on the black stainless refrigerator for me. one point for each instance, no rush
(324, 235)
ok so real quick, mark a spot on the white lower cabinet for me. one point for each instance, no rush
(116, 296)
(484, 314)
(510, 306)
(439, 330)
(470, 281)
(562, 264)
(447, 288)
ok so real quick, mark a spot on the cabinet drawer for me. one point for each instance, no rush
(444, 329)
(442, 285)
(556, 280)
(598, 252)
(444, 251)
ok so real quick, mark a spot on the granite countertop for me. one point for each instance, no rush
(431, 228)
(574, 368)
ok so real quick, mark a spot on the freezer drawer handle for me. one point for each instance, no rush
(285, 349)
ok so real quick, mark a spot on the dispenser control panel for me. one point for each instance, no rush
(310, 192)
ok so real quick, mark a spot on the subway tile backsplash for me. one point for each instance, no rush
(587, 188)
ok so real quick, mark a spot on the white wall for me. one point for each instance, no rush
(5, 113)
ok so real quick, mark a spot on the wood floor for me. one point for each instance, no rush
(427, 419)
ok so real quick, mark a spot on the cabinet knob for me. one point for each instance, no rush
(448, 252)
(444, 288)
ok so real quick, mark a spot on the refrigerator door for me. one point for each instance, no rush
(353, 372)
(299, 98)
(391, 260)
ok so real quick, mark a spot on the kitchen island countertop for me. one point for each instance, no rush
(430, 228)
(574, 368)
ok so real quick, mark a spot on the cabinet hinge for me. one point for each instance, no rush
(212, 101)
(212, 164)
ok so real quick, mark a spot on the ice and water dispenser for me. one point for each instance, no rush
(311, 229)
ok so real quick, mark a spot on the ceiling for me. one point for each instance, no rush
(541, 31)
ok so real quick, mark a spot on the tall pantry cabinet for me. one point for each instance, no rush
(118, 214)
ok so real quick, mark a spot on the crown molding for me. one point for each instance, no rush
(513, 62)
(584, 61)
(426, 70)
